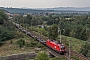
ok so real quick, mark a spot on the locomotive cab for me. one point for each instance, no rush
(58, 47)
(62, 48)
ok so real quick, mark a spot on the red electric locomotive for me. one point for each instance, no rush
(56, 46)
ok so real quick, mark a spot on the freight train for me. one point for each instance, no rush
(58, 47)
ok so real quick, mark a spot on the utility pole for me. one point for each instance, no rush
(60, 36)
(60, 33)
(17, 21)
(31, 24)
(69, 49)
(26, 26)
(23, 22)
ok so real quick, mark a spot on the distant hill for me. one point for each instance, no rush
(67, 9)
(41, 10)
(22, 10)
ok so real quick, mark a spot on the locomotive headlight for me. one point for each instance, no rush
(60, 50)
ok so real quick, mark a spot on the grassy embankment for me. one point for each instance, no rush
(76, 44)
(11, 47)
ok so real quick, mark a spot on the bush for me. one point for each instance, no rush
(85, 50)
(6, 35)
(11, 42)
(42, 56)
(31, 44)
(39, 45)
(3, 16)
(28, 44)
(21, 43)
(57, 58)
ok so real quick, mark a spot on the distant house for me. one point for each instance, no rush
(41, 26)
(15, 15)
(24, 15)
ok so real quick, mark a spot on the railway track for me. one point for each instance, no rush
(80, 56)
(58, 55)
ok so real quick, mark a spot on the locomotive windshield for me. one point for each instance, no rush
(62, 47)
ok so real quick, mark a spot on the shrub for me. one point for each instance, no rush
(21, 43)
(42, 56)
(58, 58)
(39, 45)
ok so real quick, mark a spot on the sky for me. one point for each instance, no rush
(44, 3)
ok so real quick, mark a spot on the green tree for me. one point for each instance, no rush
(28, 19)
(1, 20)
(36, 20)
(42, 56)
(85, 50)
(6, 35)
(53, 31)
(3, 16)
(42, 31)
(88, 54)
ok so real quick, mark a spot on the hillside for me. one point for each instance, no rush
(76, 44)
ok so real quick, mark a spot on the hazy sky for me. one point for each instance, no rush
(44, 3)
